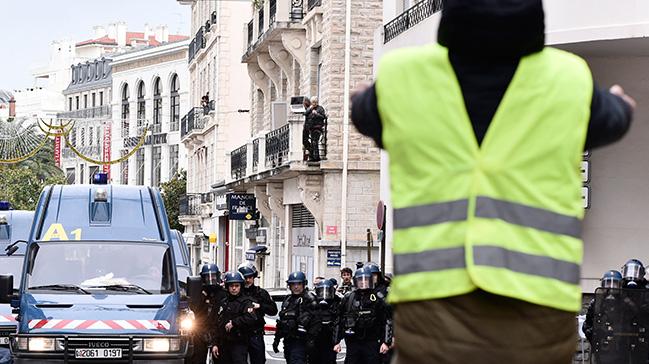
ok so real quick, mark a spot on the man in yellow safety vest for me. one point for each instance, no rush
(485, 132)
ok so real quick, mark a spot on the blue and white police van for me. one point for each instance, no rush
(15, 226)
(99, 281)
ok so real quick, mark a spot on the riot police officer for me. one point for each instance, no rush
(324, 323)
(380, 285)
(294, 320)
(364, 322)
(633, 273)
(213, 293)
(263, 305)
(234, 324)
(610, 279)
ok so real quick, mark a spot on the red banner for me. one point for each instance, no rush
(57, 151)
(106, 149)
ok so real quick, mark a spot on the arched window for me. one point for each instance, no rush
(157, 105)
(141, 105)
(175, 104)
(125, 111)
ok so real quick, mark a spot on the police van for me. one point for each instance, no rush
(15, 227)
(99, 280)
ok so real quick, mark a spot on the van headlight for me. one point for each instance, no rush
(37, 343)
(161, 345)
(187, 322)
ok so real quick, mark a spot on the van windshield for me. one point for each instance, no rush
(116, 268)
(12, 265)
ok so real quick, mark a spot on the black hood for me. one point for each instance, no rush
(492, 29)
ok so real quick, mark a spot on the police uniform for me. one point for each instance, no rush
(364, 325)
(233, 344)
(294, 319)
(321, 339)
(257, 348)
(205, 312)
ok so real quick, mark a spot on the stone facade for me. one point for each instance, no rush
(306, 57)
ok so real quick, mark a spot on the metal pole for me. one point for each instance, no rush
(383, 240)
(343, 209)
(369, 245)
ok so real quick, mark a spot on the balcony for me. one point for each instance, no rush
(238, 162)
(273, 152)
(190, 205)
(207, 197)
(274, 14)
(410, 18)
(196, 44)
(104, 111)
(91, 151)
(192, 122)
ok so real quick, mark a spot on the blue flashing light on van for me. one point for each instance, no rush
(100, 280)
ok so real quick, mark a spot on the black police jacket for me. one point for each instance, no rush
(325, 320)
(295, 316)
(205, 312)
(364, 316)
(267, 306)
(238, 310)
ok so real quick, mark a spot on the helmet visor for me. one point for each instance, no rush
(610, 283)
(324, 292)
(632, 271)
(364, 282)
(211, 279)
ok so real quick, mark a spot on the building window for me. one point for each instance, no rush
(69, 103)
(101, 98)
(73, 136)
(77, 102)
(156, 171)
(173, 160)
(69, 176)
(83, 137)
(91, 136)
(123, 168)
(85, 101)
(94, 99)
(82, 168)
(175, 104)
(92, 170)
(125, 112)
(157, 105)
(141, 105)
(139, 166)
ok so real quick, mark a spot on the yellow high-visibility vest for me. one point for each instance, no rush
(504, 215)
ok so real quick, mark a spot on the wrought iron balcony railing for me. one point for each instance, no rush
(255, 155)
(192, 121)
(189, 205)
(196, 44)
(277, 147)
(239, 162)
(89, 113)
(410, 18)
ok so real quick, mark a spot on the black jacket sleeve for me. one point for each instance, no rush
(365, 115)
(610, 117)
(268, 306)
(587, 327)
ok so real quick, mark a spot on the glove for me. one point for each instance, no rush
(276, 347)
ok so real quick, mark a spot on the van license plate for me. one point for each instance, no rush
(4, 340)
(97, 353)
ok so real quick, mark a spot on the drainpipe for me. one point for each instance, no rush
(343, 209)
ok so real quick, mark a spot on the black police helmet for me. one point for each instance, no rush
(248, 270)
(233, 277)
(297, 277)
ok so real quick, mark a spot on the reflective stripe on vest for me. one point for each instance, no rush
(490, 208)
(491, 256)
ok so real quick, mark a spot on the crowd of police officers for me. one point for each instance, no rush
(617, 320)
(229, 323)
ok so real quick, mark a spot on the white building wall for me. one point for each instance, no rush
(147, 65)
